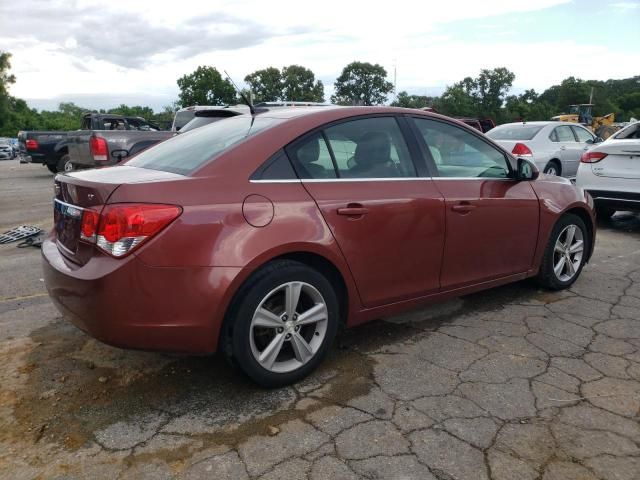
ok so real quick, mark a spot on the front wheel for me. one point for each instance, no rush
(282, 324)
(565, 254)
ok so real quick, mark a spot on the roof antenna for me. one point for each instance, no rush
(242, 95)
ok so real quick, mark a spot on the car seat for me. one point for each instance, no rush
(373, 157)
(307, 155)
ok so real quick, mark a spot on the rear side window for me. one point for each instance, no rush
(563, 134)
(186, 152)
(364, 148)
(182, 118)
(514, 132)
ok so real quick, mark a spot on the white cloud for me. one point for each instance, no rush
(140, 48)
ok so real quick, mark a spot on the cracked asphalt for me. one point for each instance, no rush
(512, 383)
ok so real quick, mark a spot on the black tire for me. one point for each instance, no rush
(546, 276)
(236, 333)
(553, 165)
(62, 162)
(605, 213)
(52, 168)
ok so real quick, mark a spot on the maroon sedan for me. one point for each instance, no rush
(260, 236)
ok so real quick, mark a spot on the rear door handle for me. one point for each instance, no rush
(353, 210)
(463, 208)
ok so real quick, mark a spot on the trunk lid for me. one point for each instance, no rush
(90, 189)
(622, 160)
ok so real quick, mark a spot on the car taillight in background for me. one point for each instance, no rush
(98, 148)
(592, 157)
(521, 150)
(122, 227)
(31, 144)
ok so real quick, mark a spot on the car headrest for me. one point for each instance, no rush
(373, 147)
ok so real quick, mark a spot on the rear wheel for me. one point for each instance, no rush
(282, 324)
(64, 163)
(52, 168)
(565, 254)
(553, 168)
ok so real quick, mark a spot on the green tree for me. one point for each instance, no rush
(205, 86)
(300, 84)
(413, 101)
(457, 102)
(266, 84)
(362, 83)
(135, 111)
(6, 80)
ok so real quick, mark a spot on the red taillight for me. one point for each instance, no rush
(592, 157)
(89, 226)
(31, 144)
(98, 148)
(121, 228)
(521, 150)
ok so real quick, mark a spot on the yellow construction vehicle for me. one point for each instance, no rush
(602, 126)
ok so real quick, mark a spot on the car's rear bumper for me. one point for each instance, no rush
(126, 303)
(616, 200)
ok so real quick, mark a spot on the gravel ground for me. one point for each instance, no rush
(513, 383)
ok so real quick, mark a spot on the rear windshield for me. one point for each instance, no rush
(514, 132)
(182, 118)
(631, 132)
(187, 151)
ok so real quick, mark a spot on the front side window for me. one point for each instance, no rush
(564, 134)
(582, 134)
(460, 154)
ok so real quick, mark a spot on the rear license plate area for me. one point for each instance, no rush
(68, 221)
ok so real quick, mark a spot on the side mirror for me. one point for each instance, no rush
(527, 170)
(120, 154)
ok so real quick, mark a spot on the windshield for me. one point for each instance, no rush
(514, 132)
(629, 132)
(182, 118)
(185, 152)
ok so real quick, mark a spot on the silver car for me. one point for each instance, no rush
(555, 147)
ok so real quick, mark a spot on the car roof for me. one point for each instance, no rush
(540, 122)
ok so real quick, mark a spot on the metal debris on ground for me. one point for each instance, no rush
(18, 233)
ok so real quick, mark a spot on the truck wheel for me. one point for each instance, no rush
(52, 168)
(64, 163)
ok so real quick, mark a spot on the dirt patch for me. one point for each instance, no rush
(65, 387)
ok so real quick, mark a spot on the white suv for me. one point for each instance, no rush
(610, 172)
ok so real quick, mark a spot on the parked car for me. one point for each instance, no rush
(555, 147)
(481, 124)
(209, 113)
(610, 172)
(120, 137)
(260, 235)
(206, 116)
(6, 152)
(52, 148)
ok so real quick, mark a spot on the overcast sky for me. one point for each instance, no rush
(100, 54)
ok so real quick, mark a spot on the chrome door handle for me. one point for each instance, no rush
(353, 210)
(463, 208)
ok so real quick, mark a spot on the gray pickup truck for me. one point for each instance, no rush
(121, 137)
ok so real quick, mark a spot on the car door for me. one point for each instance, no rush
(387, 221)
(585, 142)
(570, 150)
(491, 219)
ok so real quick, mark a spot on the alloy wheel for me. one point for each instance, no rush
(288, 327)
(567, 253)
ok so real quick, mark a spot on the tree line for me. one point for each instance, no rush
(360, 83)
